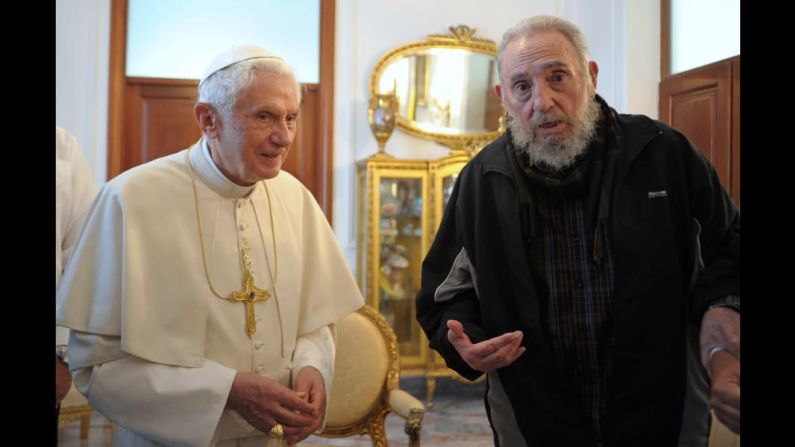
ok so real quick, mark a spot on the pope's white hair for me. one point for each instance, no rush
(220, 88)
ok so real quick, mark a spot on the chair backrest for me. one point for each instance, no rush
(366, 368)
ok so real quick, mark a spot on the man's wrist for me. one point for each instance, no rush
(712, 352)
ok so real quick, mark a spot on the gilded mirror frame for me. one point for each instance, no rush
(461, 37)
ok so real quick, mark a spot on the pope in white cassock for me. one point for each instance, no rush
(204, 286)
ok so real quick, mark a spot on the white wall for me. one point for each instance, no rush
(639, 77)
(82, 42)
(623, 37)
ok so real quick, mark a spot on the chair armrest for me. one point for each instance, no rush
(409, 408)
(402, 403)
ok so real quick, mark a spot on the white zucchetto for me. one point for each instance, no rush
(233, 55)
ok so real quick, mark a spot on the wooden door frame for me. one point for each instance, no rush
(734, 88)
(665, 36)
(116, 81)
(325, 118)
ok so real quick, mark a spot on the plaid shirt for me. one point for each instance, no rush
(579, 297)
(571, 259)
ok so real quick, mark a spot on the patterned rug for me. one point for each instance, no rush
(458, 418)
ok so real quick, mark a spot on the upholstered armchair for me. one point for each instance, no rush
(721, 436)
(366, 382)
(74, 406)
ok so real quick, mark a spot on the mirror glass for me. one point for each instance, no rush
(445, 88)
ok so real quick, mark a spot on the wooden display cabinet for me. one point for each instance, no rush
(400, 204)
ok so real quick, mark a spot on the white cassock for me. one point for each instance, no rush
(151, 346)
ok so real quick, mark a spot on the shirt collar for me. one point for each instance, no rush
(207, 171)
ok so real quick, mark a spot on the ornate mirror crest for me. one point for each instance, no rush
(445, 88)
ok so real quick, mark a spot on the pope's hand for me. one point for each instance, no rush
(264, 402)
(487, 355)
(309, 385)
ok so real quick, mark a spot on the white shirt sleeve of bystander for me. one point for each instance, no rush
(170, 405)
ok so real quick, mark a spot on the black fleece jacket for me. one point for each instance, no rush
(669, 215)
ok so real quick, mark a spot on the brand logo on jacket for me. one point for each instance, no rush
(658, 194)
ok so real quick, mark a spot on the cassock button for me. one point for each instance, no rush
(259, 345)
(242, 227)
(259, 369)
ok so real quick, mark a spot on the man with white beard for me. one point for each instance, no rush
(576, 253)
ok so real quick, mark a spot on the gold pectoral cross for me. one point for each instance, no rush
(249, 295)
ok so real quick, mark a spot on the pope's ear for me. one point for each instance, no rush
(207, 119)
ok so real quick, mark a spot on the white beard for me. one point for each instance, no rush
(552, 152)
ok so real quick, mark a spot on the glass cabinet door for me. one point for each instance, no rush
(445, 173)
(400, 207)
(447, 188)
(401, 247)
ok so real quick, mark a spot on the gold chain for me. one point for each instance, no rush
(256, 216)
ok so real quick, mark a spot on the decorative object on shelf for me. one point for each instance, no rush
(445, 88)
(381, 115)
(393, 274)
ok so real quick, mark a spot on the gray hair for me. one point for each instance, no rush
(542, 23)
(220, 89)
